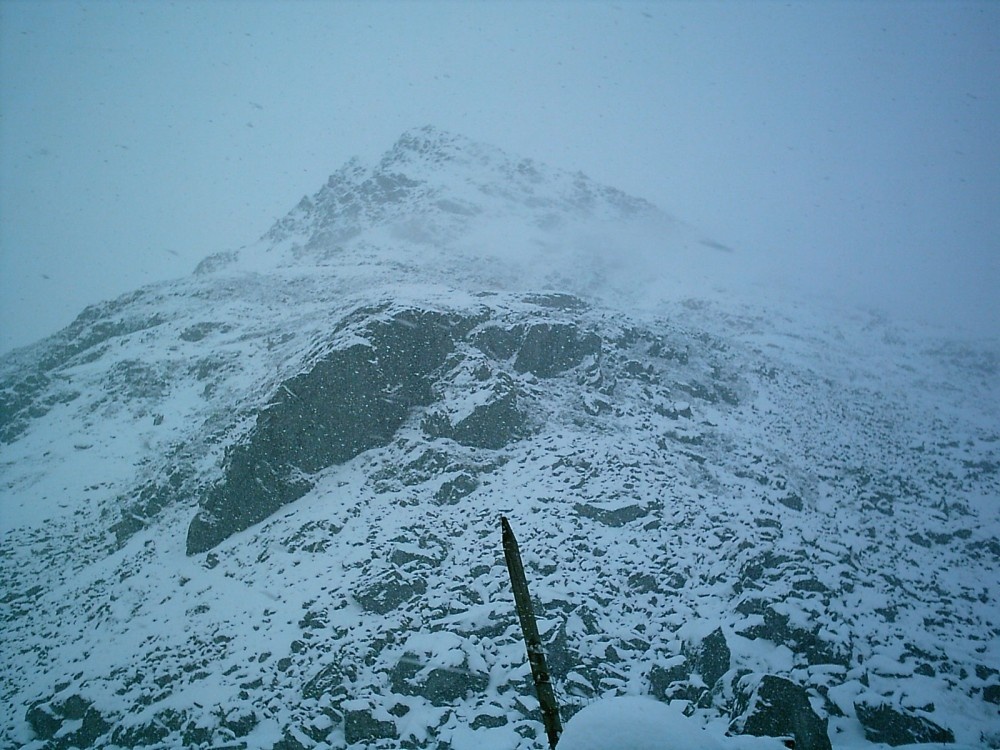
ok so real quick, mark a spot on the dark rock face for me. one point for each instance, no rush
(149, 500)
(492, 424)
(776, 707)
(543, 349)
(442, 687)
(352, 400)
(548, 349)
(357, 397)
(714, 657)
(453, 490)
(883, 723)
(48, 720)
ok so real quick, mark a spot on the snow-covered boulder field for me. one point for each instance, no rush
(259, 507)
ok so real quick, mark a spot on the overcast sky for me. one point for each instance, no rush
(856, 143)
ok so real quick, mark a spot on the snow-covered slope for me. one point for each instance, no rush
(259, 507)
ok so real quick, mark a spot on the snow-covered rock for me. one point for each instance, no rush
(635, 723)
(259, 507)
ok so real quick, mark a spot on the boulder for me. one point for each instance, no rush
(70, 722)
(713, 657)
(453, 490)
(361, 725)
(44, 721)
(614, 516)
(806, 643)
(331, 680)
(991, 694)
(674, 682)
(892, 726)
(442, 686)
(771, 706)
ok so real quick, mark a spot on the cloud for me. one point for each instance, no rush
(853, 144)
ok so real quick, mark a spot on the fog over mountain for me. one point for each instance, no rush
(258, 506)
(848, 147)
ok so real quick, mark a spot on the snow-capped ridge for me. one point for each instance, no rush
(443, 209)
(449, 196)
(429, 145)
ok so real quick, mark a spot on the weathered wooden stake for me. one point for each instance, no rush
(522, 602)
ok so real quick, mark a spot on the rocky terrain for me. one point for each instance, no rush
(259, 507)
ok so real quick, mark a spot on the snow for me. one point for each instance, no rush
(641, 723)
(633, 722)
(830, 408)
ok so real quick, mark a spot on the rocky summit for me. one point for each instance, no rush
(259, 507)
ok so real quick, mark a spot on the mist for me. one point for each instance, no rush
(848, 150)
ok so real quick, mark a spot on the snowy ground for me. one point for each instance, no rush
(823, 489)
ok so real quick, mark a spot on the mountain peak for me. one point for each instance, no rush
(432, 145)
(443, 204)
(436, 155)
(446, 159)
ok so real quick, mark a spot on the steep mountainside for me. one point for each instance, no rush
(259, 507)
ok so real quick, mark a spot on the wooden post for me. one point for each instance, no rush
(532, 641)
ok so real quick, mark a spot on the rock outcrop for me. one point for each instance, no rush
(351, 400)
(356, 396)
(893, 726)
(772, 706)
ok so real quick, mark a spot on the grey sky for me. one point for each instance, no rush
(853, 145)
